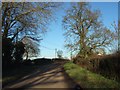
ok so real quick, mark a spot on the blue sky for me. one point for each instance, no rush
(54, 37)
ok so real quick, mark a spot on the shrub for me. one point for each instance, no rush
(7, 51)
(19, 51)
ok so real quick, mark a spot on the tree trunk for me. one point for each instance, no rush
(27, 56)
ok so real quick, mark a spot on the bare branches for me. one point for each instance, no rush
(88, 30)
(28, 15)
(26, 21)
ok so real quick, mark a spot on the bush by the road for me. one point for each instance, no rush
(106, 65)
(87, 79)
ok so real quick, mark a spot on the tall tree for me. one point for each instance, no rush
(21, 19)
(25, 18)
(84, 31)
(117, 35)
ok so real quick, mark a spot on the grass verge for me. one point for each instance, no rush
(87, 79)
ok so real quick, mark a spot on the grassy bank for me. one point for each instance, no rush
(87, 79)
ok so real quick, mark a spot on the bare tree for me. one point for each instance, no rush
(117, 35)
(31, 47)
(84, 31)
(59, 53)
(20, 19)
(25, 18)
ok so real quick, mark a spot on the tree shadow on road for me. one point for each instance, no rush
(43, 76)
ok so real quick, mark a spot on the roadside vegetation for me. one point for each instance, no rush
(106, 65)
(88, 79)
(89, 41)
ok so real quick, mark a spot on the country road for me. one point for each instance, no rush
(49, 76)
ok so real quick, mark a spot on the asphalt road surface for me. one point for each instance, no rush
(48, 76)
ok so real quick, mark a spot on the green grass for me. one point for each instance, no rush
(88, 79)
